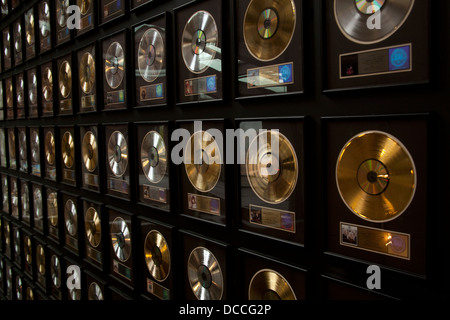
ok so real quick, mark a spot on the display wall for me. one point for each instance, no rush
(87, 164)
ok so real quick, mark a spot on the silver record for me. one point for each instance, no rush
(6, 49)
(29, 27)
(95, 292)
(35, 146)
(21, 92)
(23, 145)
(121, 239)
(61, 12)
(154, 157)
(44, 19)
(12, 143)
(32, 89)
(117, 153)
(70, 217)
(352, 16)
(55, 267)
(25, 199)
(114, 65)
(205, 275)
(17, 242)
(151, 54)
(14, 194)
(18, 37)
(19, 288)
(199, 42)
(37, 204)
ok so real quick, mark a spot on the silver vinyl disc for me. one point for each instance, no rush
(44, 19)
(70, 217)
(118, 153)
(121, 239)
(6, 49)
(35, 146)
(47, 84)
(14, 194)
(352, 16)
(95, 292)
(19, 288)
(205, 275)
(23, 145)
(93, 227)
(151, 54)
(55, 269)
(154, 157)
(32, 89)
(20, 92)
(17, 242)
(37, 204)
(25, 198)
(61, 12)
(18, 37)
(114, 65)
(199, 42)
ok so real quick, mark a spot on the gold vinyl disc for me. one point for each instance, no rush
(47, 84)
(200, 41)
(352, 18)
(268, 284)
(55, 270)
(52, 208)
(272, 167)
(205, 275)
(202, 161)
(89, 151)
(30, 293)
(121, 239)
(40, 259)
(9, 94)
(84, 6)
(65, 79)
(157, 255)
(12, 143)
(29, 28)
(61, 12)
(114, 65)
(50, 152)
(28, 250)
(269, 27)
(118, 153)
(70, 217)
(95, 292)
(68, 149)
(87, 73)
(93, 227)
(376, 176)
(154, 157)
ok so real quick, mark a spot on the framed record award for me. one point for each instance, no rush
(20, 96)
(153, 166)
(23, 149)
(15, 197)
(114, 70)
(3, 154)
(73, 222)
(95, 234)
(118, 160)
(376, 43)
(87, 78)
(63, 33)
(150, 56)
(88, 12)
(45, 26)
(7, 52)
(270, 47)
(33, 100)
(377, 189)
(2, 101)
(47, 89)
(30, 34)
(272, 178)
(12, 148)
(5, 193)
(10, 98)
(18, 36)
(90, 155)
(199, 47)
(65, 85)
(50, 153)
(38, 207)
(203, 172)
(35, 151)
(52, 197)
(69, 154)
(25, 205)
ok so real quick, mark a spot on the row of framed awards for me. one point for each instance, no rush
(376, 179)
(269, 55)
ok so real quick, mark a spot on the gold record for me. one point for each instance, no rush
(28, 250)
(87, 73)
(68, 149)
(9, 94)
(269, 27)
(89, 151)
(272, 167)
(65, 79)
(84, 6)
(52, 209)
(29, 28)
(376, 176)
(40, 259)
(157, 255)
(93, 227)
(268, 284)
(47, 84)
(203, 161)
(50, 148)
